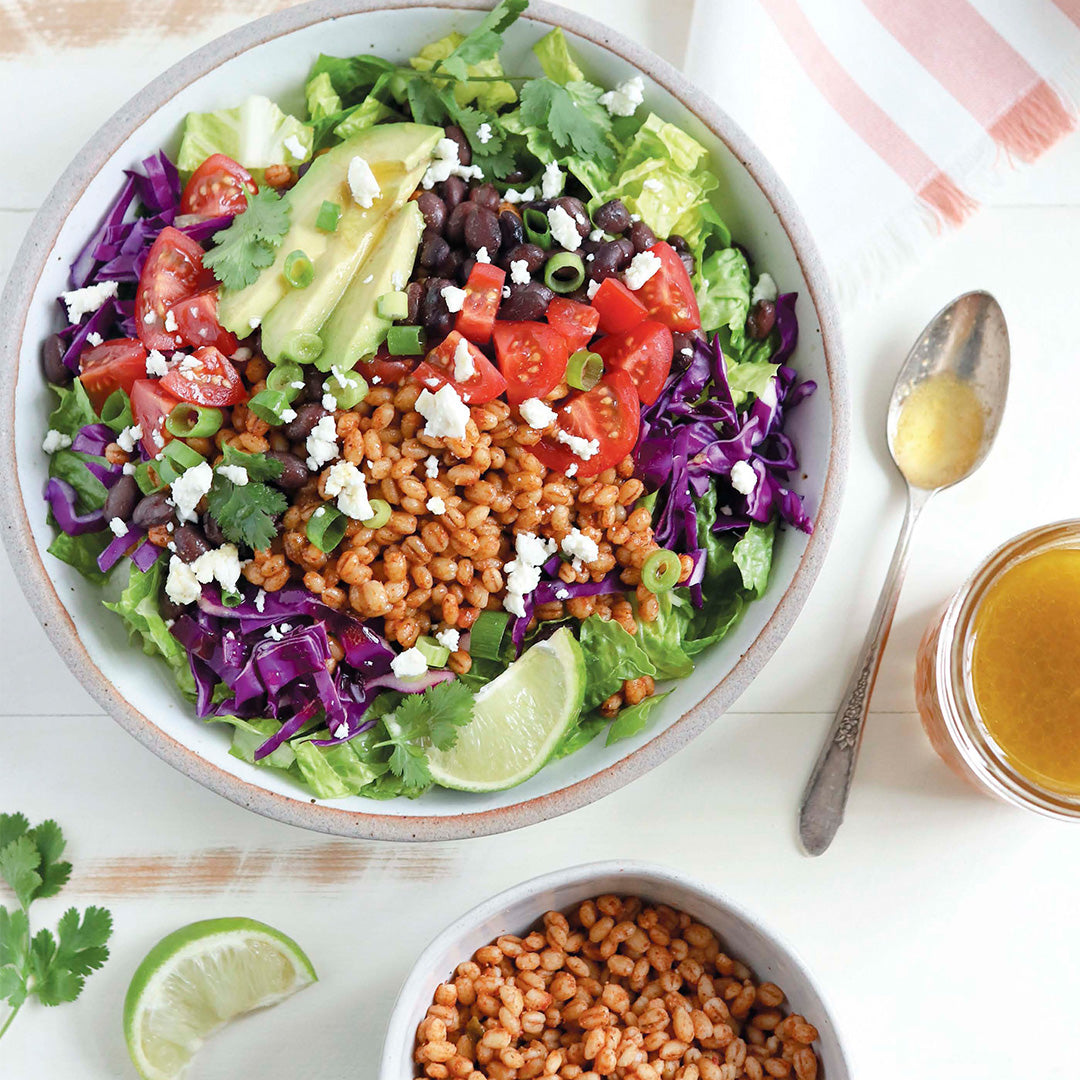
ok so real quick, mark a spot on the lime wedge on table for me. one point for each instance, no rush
(518, 720)
(198, 979)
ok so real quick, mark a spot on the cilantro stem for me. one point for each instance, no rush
(11, 1016)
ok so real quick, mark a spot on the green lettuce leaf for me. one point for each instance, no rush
(249, 735)
(753, 556)
(579, 734)
(634, 719)
(662, 639)
(82, 552)
(748, 378)
(554, 56)
(350, 77)
(71, 466)
(722, 587)
(724, 292)
(486, 95)
(611, 657)
(321, 97)
(73, 410)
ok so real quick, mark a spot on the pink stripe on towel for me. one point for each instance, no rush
(1071, 8)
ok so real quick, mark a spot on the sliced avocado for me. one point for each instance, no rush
(400, 148)
(356, 328)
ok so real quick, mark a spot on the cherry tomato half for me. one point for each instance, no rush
(150, 405)
(205, 378)
(669, 294)
(485, 384)
(112, 365)
(218, 186)
(532, 356)
(197, 324)
(382, 369)
(483, 295)
(644, 352)
(173, 271)
(576, 322)
(618, 307)
(608, 413)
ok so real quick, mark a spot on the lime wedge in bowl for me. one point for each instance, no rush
(519, 719)
(198, 979)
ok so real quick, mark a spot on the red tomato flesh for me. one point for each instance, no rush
(644, 352)
(483, 294)
(112, 365)
(218, 186)
(532, 356)
(382, 369)
(576, 322)
(609, 413)
(150, 404)
(618, 308)
(205, 378)
(669, 294)
(197, 324)
(440, 367)
(173, 272)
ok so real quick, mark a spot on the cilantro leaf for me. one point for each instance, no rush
(14, 935)
(249, 244)
(49, 841)
(428, 103)
(485, 41)
(257, 466)
(82, 948)
(12, 986)
(572, 114)
(19, 861)
(12, 826)
(246, 512)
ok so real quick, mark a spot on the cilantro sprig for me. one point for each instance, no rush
(250, 243)
(246, 512)
(573, 115)
(52, 968)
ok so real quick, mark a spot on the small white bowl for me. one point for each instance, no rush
(516, 910)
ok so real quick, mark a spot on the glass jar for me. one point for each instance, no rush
(945, 694)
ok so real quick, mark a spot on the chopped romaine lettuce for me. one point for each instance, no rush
(486, 95)
(611, 657)
(753, 556)
(554, 56)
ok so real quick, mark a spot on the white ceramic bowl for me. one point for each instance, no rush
(272, 56)
(517, 910)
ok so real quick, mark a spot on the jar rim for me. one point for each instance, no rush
(965, 725)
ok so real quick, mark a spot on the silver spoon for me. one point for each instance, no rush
(968, 340)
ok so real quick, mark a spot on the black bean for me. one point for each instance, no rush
(761, 320)
(453, 191)
(307, 416)
(681, 341)
(455, 223)
(434, 314)
(433, 251)
(152, 510)
(576, 209)
(609, 259)
(190, 542)
(52, 361)
(612, 217)
(294, 473)
(121, 500)
(415, 293)
(512, 229)
(212, 530)
(464, 151)
(533, 254)
(482, 230)
(450, 266)
(526, 302)
(678, 243)
(516, 176)
(465, 269)
(170, 609)
(641, 236)
(487, 196)
(543, 205)
(687, 261)
(313, 384)
(433, 209)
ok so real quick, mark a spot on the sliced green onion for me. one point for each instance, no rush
(302, 347)
(176, 458)
(299, 271)
(380, 514)
(232, 599)
(352, 393)
(393, 305)
(583, 369)
(487, 635)
(328, 217)
(284, 377)
(271, 406)
(116, 412)
(326, 528)
(661, 571)
(406, 341)
(435, 654)
(564, 272)
(537, 227)
(188, 421)
(146, 476)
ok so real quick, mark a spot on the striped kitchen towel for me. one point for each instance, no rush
(888, 119)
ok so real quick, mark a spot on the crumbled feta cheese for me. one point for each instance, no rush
(236, 473)
(181, 586)
(579, 546)
(464, 364)
(553, 181)
(341, 731)
(189, 487)
(329, 402)
(571, 469)
(94, 339)
(652, 184)
(260, 601)
(582, 448)
(80, 302)
(410, 663)
(156, 364)
(436, 505)
(506, 290)
(170, 321)
(446, 414)
(642, 267)
(340, 377)
(188, 364)
(625, 98)
(362, 183)
(564, 229)
(635, 217)
(453, 297)
(515, 197)
(276, 633)
(431, 467)
(445, 163)
(346, 482)
(483, 133)
(592, 289)
(241, 354)
(288, 415)
(765, 289)
(597, 235)
(482, 255)
(127, 438)
(118, 526)
(295, 147)
(298, 385)
(449, 639)
(523, 572)
(55, 440)
(537, 414)
(222, 565)
(255, 322)
(519, 272)
(562, 594)
(128, 468)
(726, 511)
(743, 477)
(322, 444)
(397, 281)
(687, 350)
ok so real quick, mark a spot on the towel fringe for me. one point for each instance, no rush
(1034, 123)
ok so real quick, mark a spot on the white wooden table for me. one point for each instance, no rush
(941, 925)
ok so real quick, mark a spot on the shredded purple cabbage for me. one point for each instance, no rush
(119, 547)
(62, 497)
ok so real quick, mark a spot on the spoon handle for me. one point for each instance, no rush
(826, 794)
